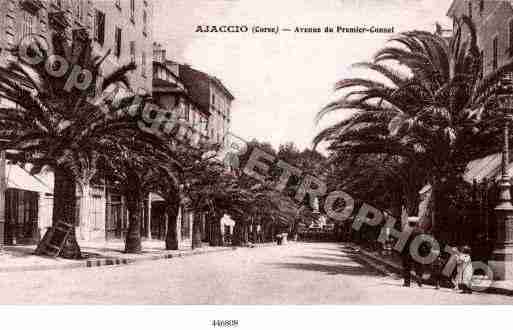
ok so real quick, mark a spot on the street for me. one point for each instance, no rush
(299, 273)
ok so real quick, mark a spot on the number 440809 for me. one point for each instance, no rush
(225, 323)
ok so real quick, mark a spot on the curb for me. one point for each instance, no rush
(397, 269)
(112, 261)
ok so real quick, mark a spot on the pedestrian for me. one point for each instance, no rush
(408, 261)
(436, 269)
(464, 270)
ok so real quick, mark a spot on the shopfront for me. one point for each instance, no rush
(27, 206)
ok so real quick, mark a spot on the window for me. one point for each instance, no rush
(143, 64)
(78, 10)
(99, 27)
(510, 37)
(470, 9)
(495, 52)
(132, 51)
(145, 23)
(213, 99)
(481, 68)
(481, 7)
(132, 11)
(27, 25)
(117, 41)
(187, 113)
(118, 4)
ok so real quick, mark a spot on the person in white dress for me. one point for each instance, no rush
(464, 271)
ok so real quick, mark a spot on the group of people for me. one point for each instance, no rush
(461, 278)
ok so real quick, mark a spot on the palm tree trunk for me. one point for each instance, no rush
(237, 234)
(434, 206)
(64, 209)
(172, 233)
(85, 205)
(134, 201)
(245, 231)
(217, 238)
(196, 231)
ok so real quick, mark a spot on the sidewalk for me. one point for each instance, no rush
(96, 254)
(392, 264)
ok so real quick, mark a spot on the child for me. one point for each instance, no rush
(465, 271)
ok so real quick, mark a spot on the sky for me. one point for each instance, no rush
(282, 80)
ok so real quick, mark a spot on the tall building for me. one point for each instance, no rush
(494, 27)
(213, 97)
(204, 102)
(170, 92)
(125, 28)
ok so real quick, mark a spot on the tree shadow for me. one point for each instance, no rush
(340, 258)
(331, 269)
(19, 251)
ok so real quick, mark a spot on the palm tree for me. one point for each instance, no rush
(385, 181)
(60, 127)
(140, 163)
(431, 108)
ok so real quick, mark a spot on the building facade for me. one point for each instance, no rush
(212, 97)
(123, 27)
(494, 27)
(204, 103)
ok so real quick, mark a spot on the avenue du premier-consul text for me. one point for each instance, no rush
(297, 29)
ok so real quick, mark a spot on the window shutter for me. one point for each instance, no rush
(99, 27)
(511, 37)
(118, 42)
(132, 51)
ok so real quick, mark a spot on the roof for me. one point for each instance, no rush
(220, 84)
(164, 86)
(212, 79)
(164, 65)
(161, 85)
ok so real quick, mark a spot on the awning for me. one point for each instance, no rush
(488, 167)
(20, 178)
(154, 197)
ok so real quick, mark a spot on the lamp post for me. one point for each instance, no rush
(502, 259)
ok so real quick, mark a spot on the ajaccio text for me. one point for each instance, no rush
(222, 28)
